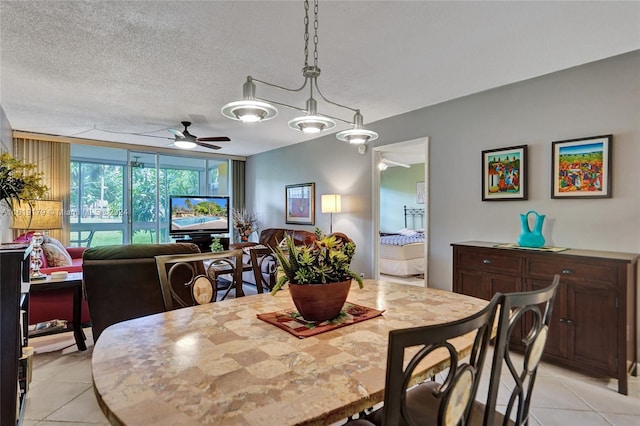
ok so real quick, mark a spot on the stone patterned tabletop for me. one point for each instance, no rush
(219, 364)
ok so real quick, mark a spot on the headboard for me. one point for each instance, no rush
(413, 216)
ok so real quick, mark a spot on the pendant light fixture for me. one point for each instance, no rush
(252, 109)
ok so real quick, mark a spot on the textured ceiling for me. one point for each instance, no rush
(109, 70)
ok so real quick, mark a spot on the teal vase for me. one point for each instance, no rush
(529, 237)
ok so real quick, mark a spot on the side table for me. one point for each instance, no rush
(74, 282)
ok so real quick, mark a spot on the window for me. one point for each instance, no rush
(121, 196)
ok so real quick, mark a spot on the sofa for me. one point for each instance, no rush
(121, 282)
(55, 304)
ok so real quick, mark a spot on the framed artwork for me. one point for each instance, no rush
(504, 174)
(420, 192)
(581, 168)
(300, 204)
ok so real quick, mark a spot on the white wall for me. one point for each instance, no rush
(398, 189)
(594, 99)
(335, 168)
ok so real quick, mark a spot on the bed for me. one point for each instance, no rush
(402, 253)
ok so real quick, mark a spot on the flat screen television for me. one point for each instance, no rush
(193, 215)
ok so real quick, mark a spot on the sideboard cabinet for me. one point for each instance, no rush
(594, 318)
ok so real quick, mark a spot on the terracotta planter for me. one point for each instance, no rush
(319, 302)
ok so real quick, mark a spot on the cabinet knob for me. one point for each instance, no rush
(569, 322)
(563, 320)
(487, 262)
(567, 271)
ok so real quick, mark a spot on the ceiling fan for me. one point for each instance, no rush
(185, 140)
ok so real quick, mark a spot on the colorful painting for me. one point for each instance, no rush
(581, 168)
(300, 204)
(504, 174)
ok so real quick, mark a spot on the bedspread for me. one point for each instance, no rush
(401, 240)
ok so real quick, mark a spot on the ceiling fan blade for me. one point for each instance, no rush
(177, 133)
(206, 145)
(214, 139)
(151, 136)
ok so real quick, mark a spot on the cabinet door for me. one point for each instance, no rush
(472, 283)
(593, 320)
(557, 338)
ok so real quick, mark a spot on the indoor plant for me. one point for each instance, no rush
(318, 274)
(19, 181)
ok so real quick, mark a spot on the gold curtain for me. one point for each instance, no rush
(54, 160)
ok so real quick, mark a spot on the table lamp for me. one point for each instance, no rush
(38, 215)
(331, 203)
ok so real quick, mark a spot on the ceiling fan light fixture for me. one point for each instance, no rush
(185, 144)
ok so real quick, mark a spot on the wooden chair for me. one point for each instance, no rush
(446, 403)
(264, 267)
(533, 311)
(193, 279)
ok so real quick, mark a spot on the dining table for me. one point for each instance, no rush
(220, 364)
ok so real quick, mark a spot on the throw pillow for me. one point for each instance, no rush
(56, 256)
(53, 241)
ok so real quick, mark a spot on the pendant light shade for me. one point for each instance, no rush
(249, 110)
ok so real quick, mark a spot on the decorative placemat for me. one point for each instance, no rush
(291, 321)
(544, 248)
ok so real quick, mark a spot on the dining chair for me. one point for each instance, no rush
(193, 279)
(523, 311)
(445, 402)
(265, 267)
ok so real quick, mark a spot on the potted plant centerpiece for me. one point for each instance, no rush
(318, 274)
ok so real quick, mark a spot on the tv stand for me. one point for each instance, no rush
(203, 241)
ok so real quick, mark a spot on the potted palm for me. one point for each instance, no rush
(318, 274)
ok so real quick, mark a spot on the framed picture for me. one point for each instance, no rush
(581, 168)
(300, 204)
(504, 174)
(420, 192)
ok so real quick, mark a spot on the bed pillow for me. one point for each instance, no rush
(407, 232)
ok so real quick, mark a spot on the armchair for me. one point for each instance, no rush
(269, 238)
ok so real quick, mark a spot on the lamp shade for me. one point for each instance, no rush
(37, 215)
(331, 203)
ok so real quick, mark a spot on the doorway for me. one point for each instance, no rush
(401, 201)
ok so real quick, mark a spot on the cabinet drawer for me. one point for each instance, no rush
(569, 268)
(488, 261)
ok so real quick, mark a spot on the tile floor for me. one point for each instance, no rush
(61, 393)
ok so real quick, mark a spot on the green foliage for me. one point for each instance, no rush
(216, 245)
(325, 261)
(19, 181)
